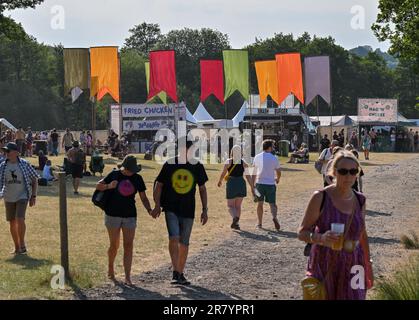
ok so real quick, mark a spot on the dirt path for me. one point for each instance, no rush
(263, 264)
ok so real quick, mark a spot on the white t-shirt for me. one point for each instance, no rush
(265, 165)
(325, 155)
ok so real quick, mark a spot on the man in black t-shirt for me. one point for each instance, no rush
(175, 192)
(54, 139)
(324, 143)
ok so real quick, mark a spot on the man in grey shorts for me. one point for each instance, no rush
(175, 191)
(18, 186)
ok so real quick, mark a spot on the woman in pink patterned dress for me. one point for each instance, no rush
(347, 273)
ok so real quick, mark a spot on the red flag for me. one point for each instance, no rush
(163, 74)
(212, 79)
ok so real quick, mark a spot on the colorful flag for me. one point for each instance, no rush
(317, 78)
(236, 72)
(76, 71)
(162, 95)
(266, 72)
(163, 74)
(212, 81)
(290, 76)
(104, 64)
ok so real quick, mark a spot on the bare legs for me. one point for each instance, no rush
(128, 243)
(18, 231)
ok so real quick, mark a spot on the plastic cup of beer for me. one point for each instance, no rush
(338, 228)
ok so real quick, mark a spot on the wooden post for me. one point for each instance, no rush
(63, 224)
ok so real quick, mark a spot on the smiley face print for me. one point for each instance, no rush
(182, 181)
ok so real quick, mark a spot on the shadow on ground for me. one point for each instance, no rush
(378, 214)
(29, 263)
(271, 237)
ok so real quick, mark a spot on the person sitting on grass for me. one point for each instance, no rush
(299, 154)
(48, 173)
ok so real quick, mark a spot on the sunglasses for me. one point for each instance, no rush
(344, 172)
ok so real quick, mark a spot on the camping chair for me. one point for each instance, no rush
(96, 164)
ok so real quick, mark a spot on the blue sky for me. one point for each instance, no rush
(106, 22)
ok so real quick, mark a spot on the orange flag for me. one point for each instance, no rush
(290, 76)
(266, 72)
(104, 66)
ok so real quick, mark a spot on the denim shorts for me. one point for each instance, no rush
(179, 227)
(118, 222)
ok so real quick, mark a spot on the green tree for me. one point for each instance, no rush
(8, 27)
(398, 21)
(143, 38)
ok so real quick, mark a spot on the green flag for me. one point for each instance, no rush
(236, 72)
(162, 95)
(76, 69)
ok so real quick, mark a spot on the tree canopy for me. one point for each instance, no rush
(32, 75)
(398, 21)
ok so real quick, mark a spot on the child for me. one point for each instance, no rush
(47, 173)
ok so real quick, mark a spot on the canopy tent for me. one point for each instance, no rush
(201, 114)
(7, 124)
(239, 117)
(216, 124)
(190, 117)
(403, 121)
(336, 120)
(344, 122)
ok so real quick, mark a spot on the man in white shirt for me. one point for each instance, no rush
(267, 173)
(325, 157)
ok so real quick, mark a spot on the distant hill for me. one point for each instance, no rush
(363, 51)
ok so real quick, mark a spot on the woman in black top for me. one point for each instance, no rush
(120, 211)
(235, 186)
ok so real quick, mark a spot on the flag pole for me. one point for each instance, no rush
(331, 104)
(318, 120)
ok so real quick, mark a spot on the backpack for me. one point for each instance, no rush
(79, 157)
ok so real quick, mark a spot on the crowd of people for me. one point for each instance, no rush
(332, 253)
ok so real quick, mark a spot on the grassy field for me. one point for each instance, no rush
(29, 276)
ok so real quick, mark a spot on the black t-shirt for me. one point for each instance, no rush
(179, 186)
(121, 202)
(54, 137)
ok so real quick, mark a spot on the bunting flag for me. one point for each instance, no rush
(104, 64)
(76, 71)
(317, 78)
(163, 74)
(266, 73)
(236, 72)
(290, 76)
(212, 81)
(162, 95)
